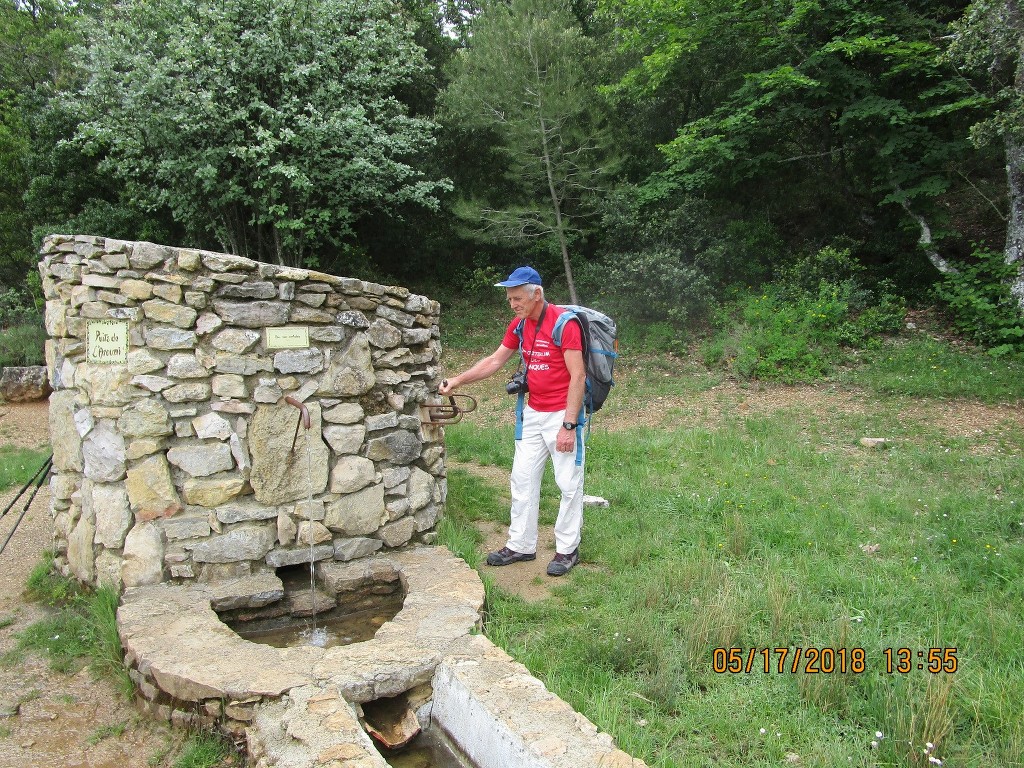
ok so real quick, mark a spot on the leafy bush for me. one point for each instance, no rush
(884, 317)
(16, 309)
(654, 288)
(770, 338)
(979, 299)
(832, 265)
(22, 345)
(659, 285)
(796, 328)
(22, 334)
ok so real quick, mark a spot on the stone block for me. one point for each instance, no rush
(186, 366)
(398, 533)
(251, 314)
(349, 372)
(103, 453)
(308, 361)
(145, 418)
(64, 436)
(22, 384)
(244, 510)
(283, 472)
(345, 439)
(355, 548)
(357, 513)
(108, 504)
(400, 447)
(166, 338)
(352, 473)
(246, 542)
(143, 561)
(279, 558)
(106, 384)
(212, 492)
(212, 426)
(201, 460)
(151, 491)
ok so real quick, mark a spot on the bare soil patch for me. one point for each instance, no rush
(527, 580)
(49, 718)
(25, 425)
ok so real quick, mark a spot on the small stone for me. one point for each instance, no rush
(9, 708)
(874, 442)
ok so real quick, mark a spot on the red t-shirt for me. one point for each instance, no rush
(547, 377)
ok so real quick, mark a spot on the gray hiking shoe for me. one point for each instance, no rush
(506, 556)
(560, 565)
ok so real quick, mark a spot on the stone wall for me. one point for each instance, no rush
(184, 462)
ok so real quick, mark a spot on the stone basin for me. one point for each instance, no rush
(300, 707)
(185, 658)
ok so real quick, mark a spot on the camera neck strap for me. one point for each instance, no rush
(525, 364)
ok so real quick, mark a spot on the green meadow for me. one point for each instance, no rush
(749, 525)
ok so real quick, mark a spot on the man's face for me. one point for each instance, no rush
(522, 299)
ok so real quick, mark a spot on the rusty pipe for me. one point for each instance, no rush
(440, 413)
(302, 408)
(303, 420)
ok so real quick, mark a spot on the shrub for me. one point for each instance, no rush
(787, 335)
(22, 345)
(981, 304)
(830, 265)
(22, 334)
(767, 337)
(653, 286)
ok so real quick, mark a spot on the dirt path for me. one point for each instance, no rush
(49, 718)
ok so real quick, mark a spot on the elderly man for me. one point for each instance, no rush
(547, 426)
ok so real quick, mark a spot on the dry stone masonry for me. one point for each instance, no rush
(176, 456)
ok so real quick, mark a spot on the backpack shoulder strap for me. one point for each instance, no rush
(565, 316)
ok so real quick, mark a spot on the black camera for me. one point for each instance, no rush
(517, 384)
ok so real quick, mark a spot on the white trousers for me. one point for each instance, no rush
(540, 431)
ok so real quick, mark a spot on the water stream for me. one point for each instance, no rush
(316, 636)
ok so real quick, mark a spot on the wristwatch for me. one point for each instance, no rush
(570, 425)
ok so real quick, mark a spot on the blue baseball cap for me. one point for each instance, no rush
(521, 276)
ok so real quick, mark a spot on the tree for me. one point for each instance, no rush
(522, 81)
(989, 40)
(833, 119)
(270, 126)
(35, 38)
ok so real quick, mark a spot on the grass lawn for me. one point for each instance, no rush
(768, 531)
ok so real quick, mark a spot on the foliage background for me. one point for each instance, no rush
(657, 159)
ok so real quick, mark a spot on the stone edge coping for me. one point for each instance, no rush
(485, 702)
(503, 716)
(172, 635)
(310, 727)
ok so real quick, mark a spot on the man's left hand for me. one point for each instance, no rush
(566, 440)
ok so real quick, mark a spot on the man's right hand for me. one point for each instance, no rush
(445, 388)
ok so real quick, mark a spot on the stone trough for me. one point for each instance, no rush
(301, 707)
